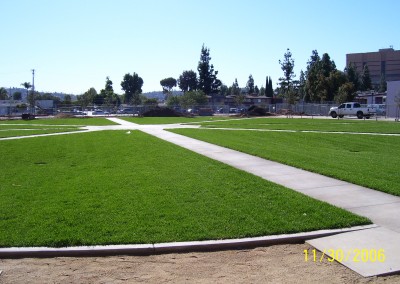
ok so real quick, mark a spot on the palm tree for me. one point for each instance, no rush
(30, 99)
(27, 86)
(3, 94)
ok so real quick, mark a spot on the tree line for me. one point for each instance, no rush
(195, 88)
(321, 82)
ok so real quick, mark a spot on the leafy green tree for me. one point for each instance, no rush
(167, 84)
(149, 101)
(256, 90)
(224, 90)
(67, 100)
(193, 98)
(87, 98)
(108, 89)
(235, 89)
(31, 98)
(99, 99)
(109, 97)
(239, 99)
(262, 91)
(173, 101)
(335, 80)
(46, 96)
(311, 88)
(353, 76)
(302, 86)
(287, 83)
(188, 81)
(208, 81)
(382, 84)
(17, 96)
(346, 93)
(136, 99)
(250, 85)
(319, 85)
(366, 83)
(327, 65)
(132, 85)
(3, 94)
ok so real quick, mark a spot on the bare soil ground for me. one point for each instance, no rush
(274, 264)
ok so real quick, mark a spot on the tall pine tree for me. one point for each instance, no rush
(353, 76)
(250, 85)
(269, 91)
(208, 81)
(287, 83)
(366, 83)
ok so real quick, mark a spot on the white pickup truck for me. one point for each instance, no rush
(354, 109)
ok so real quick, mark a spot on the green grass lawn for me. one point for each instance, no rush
(170, 120)
(111, 187)
(29, 132)
(14, 128)
(338, 125)
(93, 121)
(367, 160)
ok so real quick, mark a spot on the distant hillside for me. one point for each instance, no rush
(23, 92)
(151, 95)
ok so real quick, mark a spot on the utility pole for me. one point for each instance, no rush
(9, 100)
(33, 90)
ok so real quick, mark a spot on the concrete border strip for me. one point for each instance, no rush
(175, 247)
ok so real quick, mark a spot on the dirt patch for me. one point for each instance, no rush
(274, 264)
(64, 115)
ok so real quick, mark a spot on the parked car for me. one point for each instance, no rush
(98, 112)
(126, 111)
(352, 109)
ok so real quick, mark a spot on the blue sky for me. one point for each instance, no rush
(74, 45)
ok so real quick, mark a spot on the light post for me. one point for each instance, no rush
(372, 97)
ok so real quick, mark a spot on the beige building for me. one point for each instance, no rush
(393, 99)
(385, 61)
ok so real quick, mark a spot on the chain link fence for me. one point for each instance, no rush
(302, 109)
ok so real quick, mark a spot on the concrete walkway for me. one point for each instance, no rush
(360, 249)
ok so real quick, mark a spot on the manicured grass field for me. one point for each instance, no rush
(170, 120)
(93, 121)
(368, 160)
(28, 132)
(111, 187)
(14, 128)
(338, 125)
